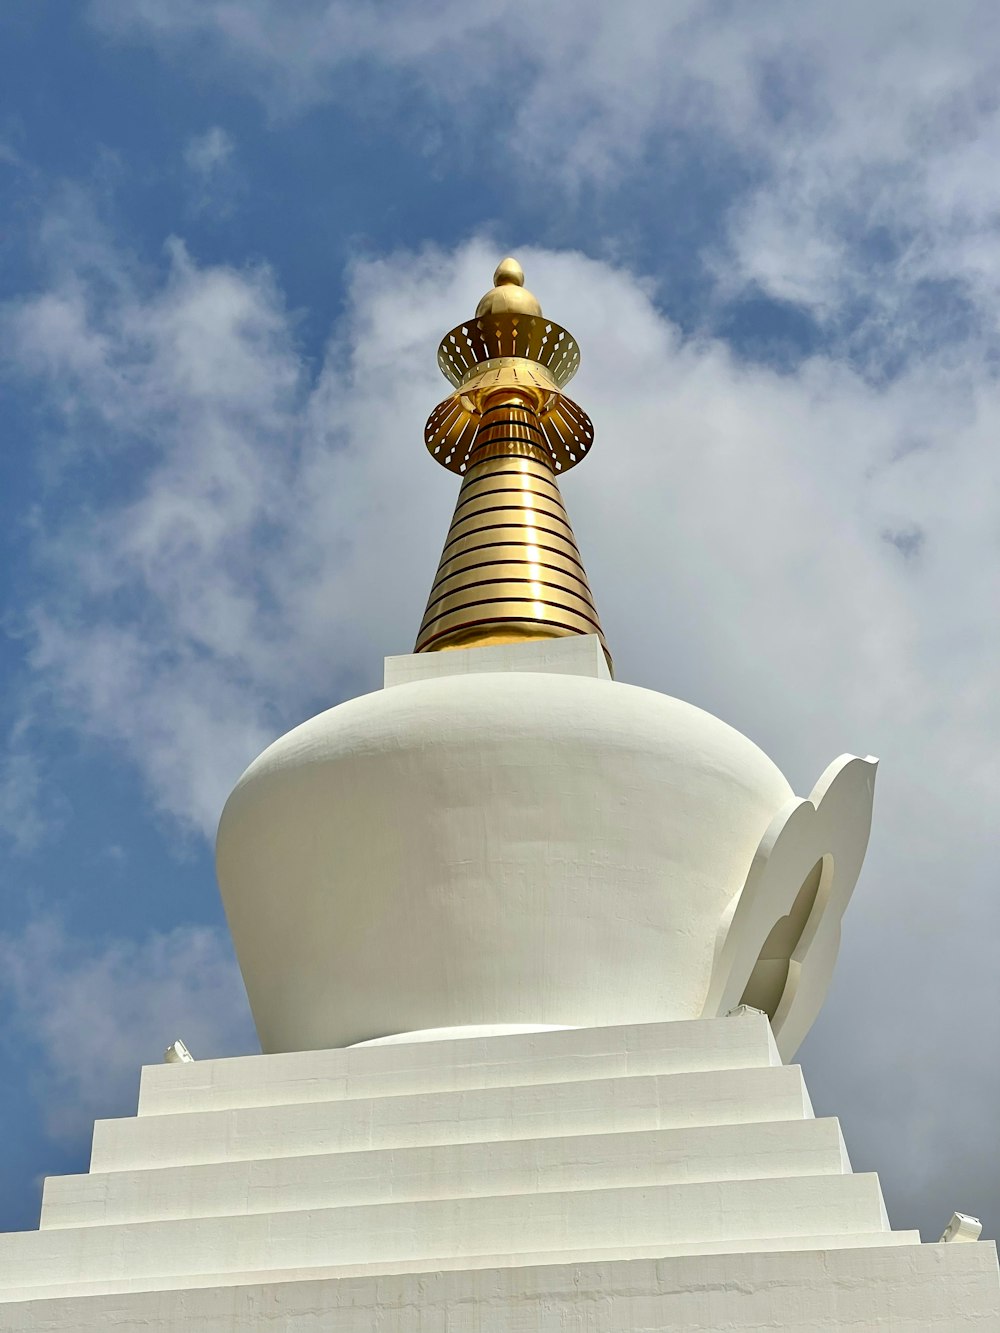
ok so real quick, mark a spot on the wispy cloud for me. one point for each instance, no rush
(95, 1016)
(9, 156)
(206, 153)
(857, 140)
(23, 820)
(213, 180)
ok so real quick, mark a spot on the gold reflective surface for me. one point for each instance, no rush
(508, 293)
(516, 352)
(510, 568)
(510, 336)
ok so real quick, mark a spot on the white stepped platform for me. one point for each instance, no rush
(654, 1101)
(459, 1064)
(438, 1229)
(780, 1148)
(903, 1289)
(679, 1164)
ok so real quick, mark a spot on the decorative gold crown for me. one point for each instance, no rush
(509, 345)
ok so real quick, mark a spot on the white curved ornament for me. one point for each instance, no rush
(778, 939)
(962, 1227)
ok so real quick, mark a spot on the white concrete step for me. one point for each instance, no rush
(591, 1106)
(519, 1166)
(387, 1233)
(741, 1041)
(189, 1289)
(912, 1289)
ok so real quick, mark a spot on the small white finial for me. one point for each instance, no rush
(178, 1054)
(961, 1227)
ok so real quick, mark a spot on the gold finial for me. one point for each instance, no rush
(510, 569)
(508, 294)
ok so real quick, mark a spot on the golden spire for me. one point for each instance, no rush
(510, 569)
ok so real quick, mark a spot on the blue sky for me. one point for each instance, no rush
(232, 236)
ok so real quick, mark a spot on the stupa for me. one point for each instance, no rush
(529, 952)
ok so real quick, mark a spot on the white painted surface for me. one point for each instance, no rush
(466, 1263)
(587, 1161)
(830, 829)
(592, 1106)
(504, 839)
(962, 1229)
(496, 848)
(574, 655)
(741, 1042)
(463, 1031)
(584, 1220)
(908, 1289)
(391, 1173)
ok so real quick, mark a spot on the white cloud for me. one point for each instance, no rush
(22, 822)
(213, 180)
(96, 1016)
(205, 153)
(859, 137)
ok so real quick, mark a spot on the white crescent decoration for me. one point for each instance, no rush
(778, 938)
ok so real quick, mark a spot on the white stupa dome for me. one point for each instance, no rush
(492, 851)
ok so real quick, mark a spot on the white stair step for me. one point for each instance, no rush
(592, 1106)
(739, 1042)
(586, 1161)
(815, 1289)
(322, 1282)
(661, 1215)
